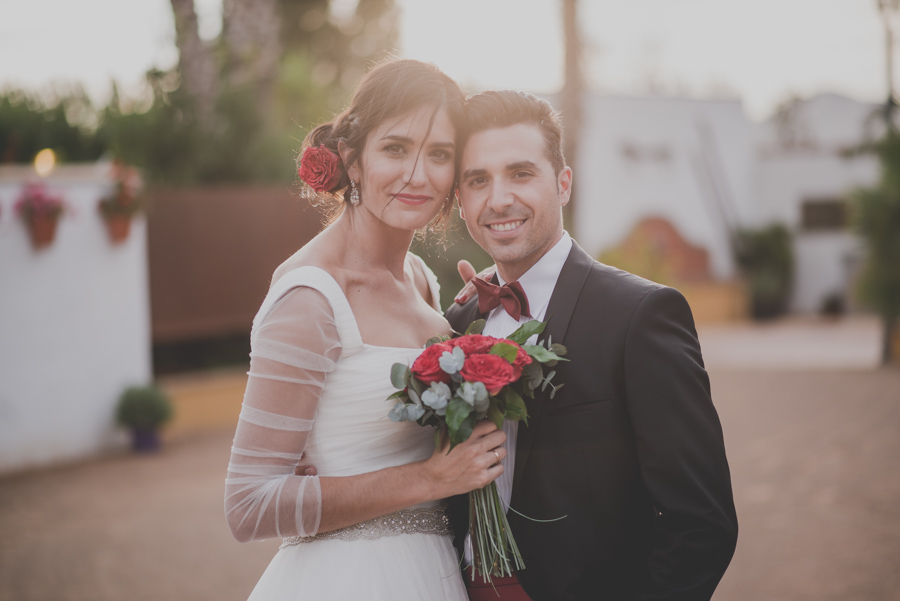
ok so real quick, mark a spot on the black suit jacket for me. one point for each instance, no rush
(630, 449)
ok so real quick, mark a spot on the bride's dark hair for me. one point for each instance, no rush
(389, 90)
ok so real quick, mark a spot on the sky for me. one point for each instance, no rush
(762, 51)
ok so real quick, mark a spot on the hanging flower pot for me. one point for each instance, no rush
(43, 230)
(41, 212)
(120, 207)
(118, 227)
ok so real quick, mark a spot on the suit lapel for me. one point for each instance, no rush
(559, 314)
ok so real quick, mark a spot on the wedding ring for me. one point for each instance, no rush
(496, 455)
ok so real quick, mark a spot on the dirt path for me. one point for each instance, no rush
(814, 465)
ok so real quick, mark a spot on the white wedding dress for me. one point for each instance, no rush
(317, 391)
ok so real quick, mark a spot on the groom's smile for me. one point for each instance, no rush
(510, 196)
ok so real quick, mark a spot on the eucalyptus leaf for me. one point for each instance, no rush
(559, 349)
(507, 351)
(457, 411)
(398, 412)
(399, 375)
(417, 386)
(462, 433)
(476, 327)
(414, 396)
(532, 375)
(527, 330)
(547, 380)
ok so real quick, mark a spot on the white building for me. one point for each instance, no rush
(74, 323)
(705, 168)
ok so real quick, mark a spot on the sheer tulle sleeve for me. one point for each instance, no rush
(293, 350)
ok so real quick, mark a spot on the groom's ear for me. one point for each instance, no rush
(462, 215)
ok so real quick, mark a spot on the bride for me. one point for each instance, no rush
(339, 313)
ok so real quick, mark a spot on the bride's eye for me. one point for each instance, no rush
(442, 154)
(395, 149)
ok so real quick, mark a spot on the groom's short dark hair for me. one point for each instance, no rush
(503, 108)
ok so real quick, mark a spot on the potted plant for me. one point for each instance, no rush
(120, 207)
(143, 409)
(41, 211)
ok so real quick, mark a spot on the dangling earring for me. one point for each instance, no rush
(354, 193)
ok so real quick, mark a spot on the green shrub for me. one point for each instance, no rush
(766, 257)
(143, 407)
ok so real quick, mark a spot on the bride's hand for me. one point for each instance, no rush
(472, 464)
(467, 272)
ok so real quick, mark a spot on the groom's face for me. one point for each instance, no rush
(510, 196)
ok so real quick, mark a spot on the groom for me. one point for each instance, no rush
(630, 450)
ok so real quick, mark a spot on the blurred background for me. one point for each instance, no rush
(746, 153)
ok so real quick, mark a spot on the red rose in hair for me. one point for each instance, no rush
(473, 344)
(493, 371)
(427, 368)
(320, 168)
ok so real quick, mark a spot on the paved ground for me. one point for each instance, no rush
(813, 455)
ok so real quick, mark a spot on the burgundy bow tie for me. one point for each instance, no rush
(511, 296)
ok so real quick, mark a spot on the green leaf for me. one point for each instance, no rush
(527, 330)
(507, 351)
(399, 375)
(495, 415)
(515, 406)
(539, 353)
(547, 379)
(559, 349)
(397, 395)
(457, 411)
(462, 433)
(476, 327)
(532, 375)
(435, 340)
(417, 386)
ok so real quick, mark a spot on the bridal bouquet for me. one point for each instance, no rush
(455, 383)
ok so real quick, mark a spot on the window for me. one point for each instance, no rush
(824, 215)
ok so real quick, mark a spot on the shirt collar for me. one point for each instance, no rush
(540, 280)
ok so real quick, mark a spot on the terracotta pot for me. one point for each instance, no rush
(118, 227)
(42, 229)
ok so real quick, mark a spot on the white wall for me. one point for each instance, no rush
(825, 262)
(74, 324)
(693, 157)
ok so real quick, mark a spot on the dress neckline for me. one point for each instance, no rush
(353, 315)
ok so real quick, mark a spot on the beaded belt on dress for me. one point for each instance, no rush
(423, 520)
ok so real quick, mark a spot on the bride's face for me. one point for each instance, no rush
(406, 170)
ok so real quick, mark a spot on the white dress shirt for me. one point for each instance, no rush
(538, 284)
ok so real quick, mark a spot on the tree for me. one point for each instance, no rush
(573, 90)
(877, 219)
(198, 69)
(876, 210)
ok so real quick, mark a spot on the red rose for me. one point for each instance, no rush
(473, 344)
(493, 371)
(320, 168)
(426, 366)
